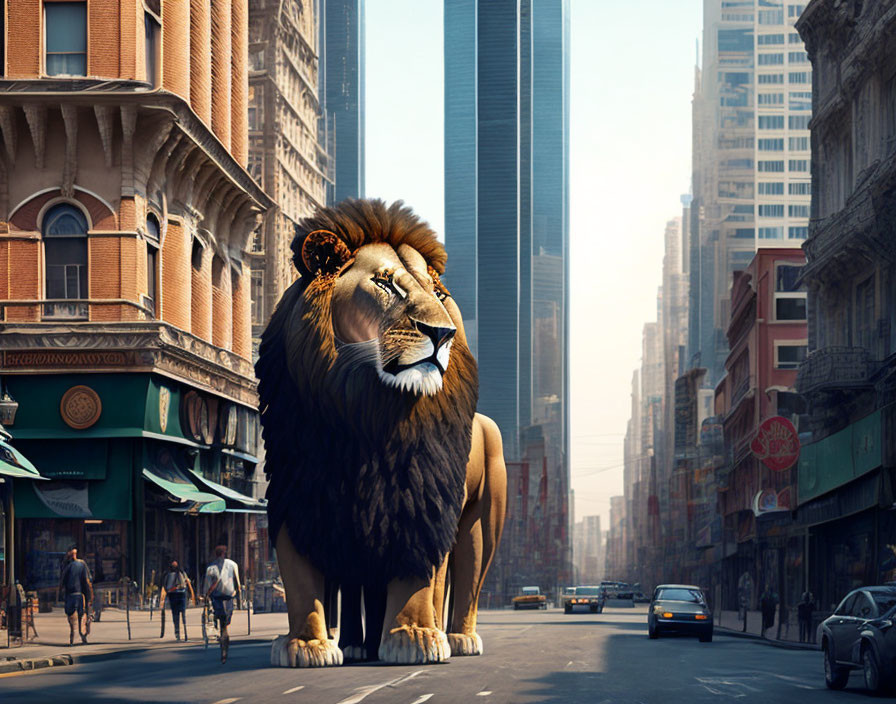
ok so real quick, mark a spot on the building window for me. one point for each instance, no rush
(769, 39)
(771, 188)
(794, 38)
(798, 122)
(790, 356)
(865, 313)
(771, 122)
(256, 109)
(766, 78)
(771, 99)
(797, 57)
(65, 256)
(256, 58)
(798, 165)
(771, 17)
(257, 297)
(799, 77)
(771, 59)
(790, 298)
(152, 262)
(66, 38)
(771, 233)
(803, 188)
(771, 145)
(799, 144)
(798, 232)
(153, 34)
(795, 10)
(797, 211)
(771, 166)
(801, 100)
(771, 211)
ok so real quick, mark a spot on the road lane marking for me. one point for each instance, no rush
(294, 689)
(484, 693)
(361, 693)
(422, 698)
(228, 701)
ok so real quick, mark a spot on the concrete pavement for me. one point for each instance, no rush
(529, 657)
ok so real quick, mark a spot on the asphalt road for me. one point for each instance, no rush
(530, 656)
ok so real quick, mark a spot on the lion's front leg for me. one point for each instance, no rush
(411, 635)
(307, 644)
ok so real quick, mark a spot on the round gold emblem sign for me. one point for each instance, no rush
(80, 407)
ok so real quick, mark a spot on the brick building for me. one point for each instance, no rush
(125, 213)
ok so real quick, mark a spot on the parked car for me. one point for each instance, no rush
(860, 634)
(679, 608)
(530, 598)
(592, 597)
(640, 598)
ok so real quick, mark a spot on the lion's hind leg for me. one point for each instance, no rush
(307, 644)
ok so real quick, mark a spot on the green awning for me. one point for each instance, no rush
(184, 493)
(234, 499)
(14, 464)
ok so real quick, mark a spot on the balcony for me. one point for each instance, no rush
(65, 310)
(834, 368)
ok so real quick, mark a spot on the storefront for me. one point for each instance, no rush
(13, 465)
(142, 470)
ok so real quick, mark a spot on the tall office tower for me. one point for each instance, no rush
(507, 204)
(341, 90)
(752, 106)
(285, 157)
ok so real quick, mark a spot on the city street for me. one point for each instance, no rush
(531, 656)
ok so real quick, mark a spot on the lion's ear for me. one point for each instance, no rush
(324, 253)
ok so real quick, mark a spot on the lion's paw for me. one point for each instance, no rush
(294, 652)
(414, 645)
(465, 644)
(357, 653)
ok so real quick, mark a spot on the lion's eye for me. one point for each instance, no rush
(384, 281)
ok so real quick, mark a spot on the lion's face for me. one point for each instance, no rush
(387, 309)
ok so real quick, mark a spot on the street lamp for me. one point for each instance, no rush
(8, 407)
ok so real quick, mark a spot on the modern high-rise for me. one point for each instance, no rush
(507, 231)
(507, 203)
(341, 88)
(751, 180)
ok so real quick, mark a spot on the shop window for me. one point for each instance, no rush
(65, 256)
(66, 38)
(153, 34)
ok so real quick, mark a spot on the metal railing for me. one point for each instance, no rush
(832, 368)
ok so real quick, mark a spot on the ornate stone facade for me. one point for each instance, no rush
(285, 156)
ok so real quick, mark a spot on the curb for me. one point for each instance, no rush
(787, 645)
(29, 664)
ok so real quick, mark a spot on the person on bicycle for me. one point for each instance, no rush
(222, 585)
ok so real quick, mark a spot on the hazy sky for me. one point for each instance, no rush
(632, 76)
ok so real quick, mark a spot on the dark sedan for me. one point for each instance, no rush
(860, 634)
(679, 608)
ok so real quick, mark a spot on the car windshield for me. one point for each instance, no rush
(886, 601)
(691, 595)
(530, 591)
(588, 591)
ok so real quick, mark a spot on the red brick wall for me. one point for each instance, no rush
(175, 279)
(176, 46)
(201, 59)
(221, 51)
(242, 327)
(4, 269)
(202, 297)
(131, 272)
(23, 34)
(222, 306)
(24, 277)
(104, 267)
(239, 143)
(103, 26)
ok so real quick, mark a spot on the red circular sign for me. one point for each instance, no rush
(776, 444)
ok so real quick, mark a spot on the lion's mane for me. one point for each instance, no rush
(367, 480)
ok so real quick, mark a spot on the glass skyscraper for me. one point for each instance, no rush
(341, 82)
(507, 206)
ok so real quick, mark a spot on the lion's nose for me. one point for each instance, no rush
(438, 335)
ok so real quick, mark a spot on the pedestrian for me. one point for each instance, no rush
(222, 584)
(768, 603)
(804, 614)
(78, 592)
(175, 585)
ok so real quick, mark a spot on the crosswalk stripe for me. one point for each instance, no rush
(294, 689)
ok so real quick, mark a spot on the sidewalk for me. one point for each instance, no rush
(732, 625)
(109, 636)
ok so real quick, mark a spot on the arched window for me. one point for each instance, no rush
(65, 250)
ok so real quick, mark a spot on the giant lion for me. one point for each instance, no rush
(384, 481)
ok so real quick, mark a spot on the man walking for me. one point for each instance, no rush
(175, 584)
(222, 584)
(78, 592)
(804, 614)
